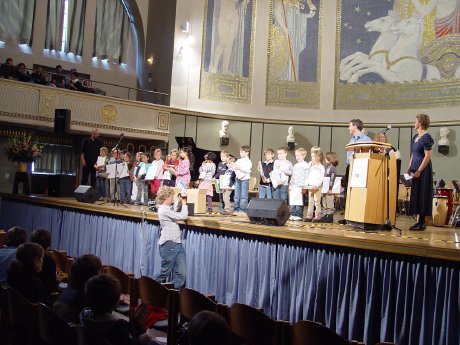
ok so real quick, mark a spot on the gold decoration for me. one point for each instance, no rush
(163, 120)
(444, 53)
(109, 113)
(278, 53)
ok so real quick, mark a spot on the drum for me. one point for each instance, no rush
(440, 209)
(449, 193)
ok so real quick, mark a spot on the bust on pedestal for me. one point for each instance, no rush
(223, 133)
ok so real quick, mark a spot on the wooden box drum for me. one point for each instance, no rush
(440, 209)
(449, 193)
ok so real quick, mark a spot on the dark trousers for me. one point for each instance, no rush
(88, 172)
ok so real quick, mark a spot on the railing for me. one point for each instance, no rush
(114, 90)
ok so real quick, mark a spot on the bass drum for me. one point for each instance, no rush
(440, 210)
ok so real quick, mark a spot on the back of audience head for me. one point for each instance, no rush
(9, 61)
(29, 256)
(102, 293)
(16, 236)
(209, 328)
(82, 269)
(41, 237)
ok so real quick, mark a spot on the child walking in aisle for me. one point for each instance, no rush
(314, 183)
(207, 171)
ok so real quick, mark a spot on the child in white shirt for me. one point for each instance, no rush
(315, 182)
(242, 169)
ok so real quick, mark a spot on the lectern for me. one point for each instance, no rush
(372, 186)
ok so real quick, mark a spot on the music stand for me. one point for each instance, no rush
(115, 201)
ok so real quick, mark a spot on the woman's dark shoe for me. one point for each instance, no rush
(418, 227)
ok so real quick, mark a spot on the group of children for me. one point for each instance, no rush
(140, 180)
(136, 182)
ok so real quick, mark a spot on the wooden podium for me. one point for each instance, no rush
(371, 172)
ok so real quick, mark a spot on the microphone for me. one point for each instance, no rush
(385, 130)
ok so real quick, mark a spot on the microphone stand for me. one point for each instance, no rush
(388, 226)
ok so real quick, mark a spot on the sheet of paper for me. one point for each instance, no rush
(274, 178)
(122, 170)
(100, 161)
(111, 170)
(359, 173)
(224, 181)
(407, 177)
(336, 188)
(151, 173)
(295, 196)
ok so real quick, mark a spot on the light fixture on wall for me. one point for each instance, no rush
(151, 60)
(185, 27)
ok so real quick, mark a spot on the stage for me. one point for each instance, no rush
(368, 286)
(434, 242)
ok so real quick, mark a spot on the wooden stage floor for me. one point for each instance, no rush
(434, 242)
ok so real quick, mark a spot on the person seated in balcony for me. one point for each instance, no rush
(38, 77)
(22, 74)
(8, 69)
(59, 79)
(75, 83)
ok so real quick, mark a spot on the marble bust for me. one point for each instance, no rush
(443, 143)
(290, 139)
(223, 132)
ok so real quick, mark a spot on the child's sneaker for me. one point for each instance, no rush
(317, 218)
(309, 217)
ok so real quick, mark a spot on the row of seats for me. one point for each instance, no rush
(248, 324)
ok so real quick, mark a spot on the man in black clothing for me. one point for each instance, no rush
(89, 152)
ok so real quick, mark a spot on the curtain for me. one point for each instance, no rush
(54, 18)
(16, 21)
(75, 27)
(111, 31)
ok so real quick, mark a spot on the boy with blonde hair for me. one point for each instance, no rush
(282, 170)
(242, 169)
(298, 182)
(172, 252)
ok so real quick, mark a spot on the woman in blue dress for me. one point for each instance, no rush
(421, 199)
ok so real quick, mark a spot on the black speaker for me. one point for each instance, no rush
(62, 121)
(268, 211)
(61, 185)
(85, 194)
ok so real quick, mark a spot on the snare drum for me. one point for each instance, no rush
(449, 193)
(440, 210)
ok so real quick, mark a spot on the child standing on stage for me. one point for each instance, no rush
(142, 185)
(282, 170)
(156, 182)
(170, 168)
(207, 171)
(183, 169)
(242, 169)
(315, 182)
(135, 170)
(171, 250)
(265, 168)
(114, 191)
(221, 168)
(101, 176)
(328, 199)
(125, 182)
(298, 181)
(227, 189)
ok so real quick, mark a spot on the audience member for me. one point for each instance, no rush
(8, 70)
(209, 328)
(58, 77)
(48, 272)
(72, 301)
(75, 83)
(14, 238)
(23, 274)
(102, 293)
(22, 74)
(38, 77)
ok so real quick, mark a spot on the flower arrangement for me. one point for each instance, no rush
(23, 148)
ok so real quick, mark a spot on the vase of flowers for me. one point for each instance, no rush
(23, 149)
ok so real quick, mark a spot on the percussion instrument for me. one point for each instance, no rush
(449, 193)
(440, 210)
